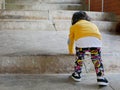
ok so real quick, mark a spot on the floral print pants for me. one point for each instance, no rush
(95, 57)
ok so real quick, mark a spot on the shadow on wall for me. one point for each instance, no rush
(118, 28)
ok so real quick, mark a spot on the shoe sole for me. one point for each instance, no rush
(78, 80)
(103, 84)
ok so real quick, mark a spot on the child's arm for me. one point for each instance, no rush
(71, 42)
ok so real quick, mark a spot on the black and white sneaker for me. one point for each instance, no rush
(76, 76)
(102, 81)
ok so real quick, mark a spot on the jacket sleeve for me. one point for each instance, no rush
(71, 41)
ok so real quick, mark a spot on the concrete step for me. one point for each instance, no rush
(26, 25)
(16, 14)
(59, 25)
(33, 42)
(46, 52)
(44, 1)
(94, 16)
(32, 47)
(54, 15)
(36, 64)
(44, 6)
(102, 25)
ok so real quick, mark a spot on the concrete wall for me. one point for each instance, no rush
(112, 6)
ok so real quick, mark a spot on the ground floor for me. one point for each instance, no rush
(56, 82)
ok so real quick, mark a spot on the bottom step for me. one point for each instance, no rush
(51, 64)
(36, 64)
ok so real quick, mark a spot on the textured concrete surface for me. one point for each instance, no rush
(50, 20)
(26, 49)
(26, 25)
(46, 52)
(53, 14)
(44, 7)
(16, 14)
(94, 16)
(102, 25)
(44, 1)
(59, 25)
(0, 5)
(33, 42)
(45, 42)
(56, 82)
(37, 64)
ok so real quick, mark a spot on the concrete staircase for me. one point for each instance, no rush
(34, 37)
(36, 20)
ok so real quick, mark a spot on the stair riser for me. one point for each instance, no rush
(103, 26)
(26, 25)
(59, 25)
(51, 64)
(44, 1)
(36, 64)
(35, 15)
(55, 15)
(44, 7)
(98, 16)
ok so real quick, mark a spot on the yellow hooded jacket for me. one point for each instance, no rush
(82, 29)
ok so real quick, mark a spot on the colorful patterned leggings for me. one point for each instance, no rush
(95, 57)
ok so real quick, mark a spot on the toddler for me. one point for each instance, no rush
(87, 38)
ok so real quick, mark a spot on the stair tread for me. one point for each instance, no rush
(33, 42)
(36, 42)
(54, 14)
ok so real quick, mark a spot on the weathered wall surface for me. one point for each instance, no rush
(109, 6)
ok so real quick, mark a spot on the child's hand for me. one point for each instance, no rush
(71, 54)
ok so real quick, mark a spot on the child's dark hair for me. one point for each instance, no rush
(81, 15)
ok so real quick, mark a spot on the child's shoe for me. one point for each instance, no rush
(102, 81)
(76, 76)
